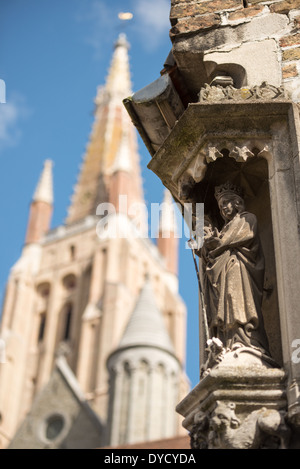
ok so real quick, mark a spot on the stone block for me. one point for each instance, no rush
(259, 59)
(289, 71)
(291, 54)
(195, 24)
(182, 10)
(245, 13)
(238, 407)
(285, 6)
(291, 40)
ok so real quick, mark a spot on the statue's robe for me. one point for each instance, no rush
(234, 277)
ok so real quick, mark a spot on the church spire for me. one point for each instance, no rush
(41, 206)
(113, 140)
(44, 189)
(118, 82)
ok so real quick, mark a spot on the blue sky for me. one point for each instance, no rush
(53, 55)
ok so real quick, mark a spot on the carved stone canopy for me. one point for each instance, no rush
(210, 132)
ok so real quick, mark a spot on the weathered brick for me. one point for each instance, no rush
(174, 2)
(254, 2)
(285, 6)
(245, 13)
(289, 71)
(291, 54)
(182, 10)
(190, 25)
(290, 40)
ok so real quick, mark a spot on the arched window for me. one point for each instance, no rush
(72, 252)
(43, 290)
(67, 322)
(42, 325)
(69, 282)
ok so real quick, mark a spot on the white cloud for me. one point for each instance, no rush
(10, 114)
(152, 21)
(102, 19)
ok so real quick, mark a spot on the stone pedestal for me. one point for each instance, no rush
(240, 404)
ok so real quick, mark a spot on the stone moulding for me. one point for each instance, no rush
(208, 127)
(219, 93)
(237, 407)
(246, 385)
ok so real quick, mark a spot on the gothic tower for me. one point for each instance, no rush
(74, 289)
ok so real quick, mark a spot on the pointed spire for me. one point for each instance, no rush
(118, 82)
(112, 148)
(44, 189)
(122, 160)
(146, 325)
(41, 206)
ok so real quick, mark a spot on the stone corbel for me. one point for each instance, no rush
(264, 428)
(241, 154)
(213, 154)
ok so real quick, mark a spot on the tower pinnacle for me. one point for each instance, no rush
(118, 83)
(41, 206)
(44, 189)
(113, 144)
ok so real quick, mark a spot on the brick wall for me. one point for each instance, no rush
(191, 18)
(188, 16)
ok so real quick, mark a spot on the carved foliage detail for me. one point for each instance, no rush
(219, 93)
(239, 150)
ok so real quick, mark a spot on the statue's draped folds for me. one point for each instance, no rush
(233, 264)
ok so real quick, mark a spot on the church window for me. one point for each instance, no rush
(43, 289)
(69, 282)
(68, 320)
(42, 325)
(72, 252)
(54, 426)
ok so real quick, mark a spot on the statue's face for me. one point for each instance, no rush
(228, 205)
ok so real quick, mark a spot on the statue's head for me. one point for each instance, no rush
(230, 200)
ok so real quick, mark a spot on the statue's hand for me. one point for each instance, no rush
(212, 242)
(208, 232)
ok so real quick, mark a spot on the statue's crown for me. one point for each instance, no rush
(227, 188)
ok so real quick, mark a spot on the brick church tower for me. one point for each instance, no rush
(75, 290)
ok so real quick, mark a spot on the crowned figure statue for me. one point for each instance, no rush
(233, 267)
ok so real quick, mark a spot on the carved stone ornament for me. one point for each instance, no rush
(219, 93)
(222, 429)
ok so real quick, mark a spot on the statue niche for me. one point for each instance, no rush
(237, 261)
(233, 264)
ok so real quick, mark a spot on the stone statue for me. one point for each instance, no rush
(222, 429)
(233, 268)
